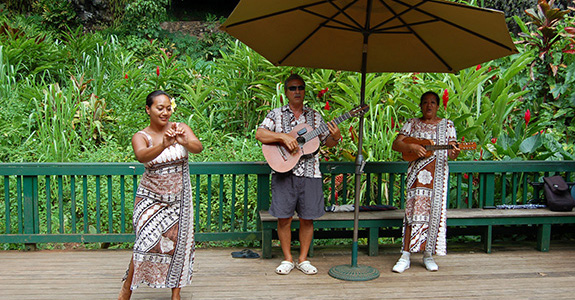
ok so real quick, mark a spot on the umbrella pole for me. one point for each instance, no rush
(355, 272)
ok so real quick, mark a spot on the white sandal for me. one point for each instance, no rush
(307, 268)
(285, 267)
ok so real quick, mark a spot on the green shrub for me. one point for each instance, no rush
(56, 14)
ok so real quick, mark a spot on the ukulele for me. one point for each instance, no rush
(281, 160)
(430, 147)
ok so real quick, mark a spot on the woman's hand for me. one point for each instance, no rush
(169, 136)
(454, 152)
(184, 136)
(181, 136)
(417, 149)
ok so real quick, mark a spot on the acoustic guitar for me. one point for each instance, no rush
(430, 147)
(282, 160)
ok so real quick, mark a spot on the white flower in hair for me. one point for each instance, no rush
(173, 103)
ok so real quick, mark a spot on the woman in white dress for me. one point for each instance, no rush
(424, 224)
(163, 254)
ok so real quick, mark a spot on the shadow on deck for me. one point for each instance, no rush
(510, 272)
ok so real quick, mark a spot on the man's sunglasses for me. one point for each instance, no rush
(298, 87)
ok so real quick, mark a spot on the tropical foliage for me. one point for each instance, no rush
(75, 96)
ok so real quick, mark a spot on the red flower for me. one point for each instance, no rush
(326, 105)
(465, 176)
(570, 30)
(463, 139)
(321, 93)
(493, 140)
(126, 76)
(527, 117)
(445, 98)
(351, 133)
(338, 179)
(158, 70)
(478, 67)
(392, 123)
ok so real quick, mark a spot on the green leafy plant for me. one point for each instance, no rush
(56, 14)
(143, 17)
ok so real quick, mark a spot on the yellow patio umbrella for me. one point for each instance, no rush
(370, 36)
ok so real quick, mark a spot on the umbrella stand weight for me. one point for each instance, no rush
(354, 273)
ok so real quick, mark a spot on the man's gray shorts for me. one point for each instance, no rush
(301, 194)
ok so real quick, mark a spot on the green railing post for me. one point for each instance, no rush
(28, 207)
(263, 191)
(489, 189)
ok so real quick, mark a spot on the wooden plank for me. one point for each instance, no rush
(465, 273)
(474, 213)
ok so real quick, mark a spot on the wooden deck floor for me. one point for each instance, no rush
(517, 272)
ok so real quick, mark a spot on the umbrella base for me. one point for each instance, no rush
(351, 273)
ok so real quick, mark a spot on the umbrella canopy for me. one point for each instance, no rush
(398, 35)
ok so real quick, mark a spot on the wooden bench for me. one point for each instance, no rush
(373, 220)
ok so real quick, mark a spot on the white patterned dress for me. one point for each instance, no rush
(426, 183)
(163, 221)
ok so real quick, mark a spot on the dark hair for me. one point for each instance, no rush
(292, 77)
(427, 94)
(152, 95)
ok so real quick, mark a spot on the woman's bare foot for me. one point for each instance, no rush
(176, 293)
(125, 293)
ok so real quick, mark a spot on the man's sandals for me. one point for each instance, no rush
(286, 266)
(307, 268)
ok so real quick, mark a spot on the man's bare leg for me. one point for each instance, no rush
(305, 238)
(284, 235)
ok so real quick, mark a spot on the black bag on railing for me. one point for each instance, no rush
(558, 194)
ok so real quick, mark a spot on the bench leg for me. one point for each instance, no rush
(544, 237)
(373, 241)
(487, 238)
(266, 243)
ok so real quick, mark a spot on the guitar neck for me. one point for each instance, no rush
(438, 147)
(323, 128)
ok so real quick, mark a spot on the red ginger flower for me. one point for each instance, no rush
(326, 105)
(351, 133)
(321, 93)
(478, 67)
(527, 117)
(158, 70)
(445, 98)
